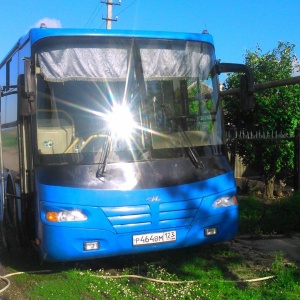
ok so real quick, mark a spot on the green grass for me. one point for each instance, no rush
(258, 217)
(210, 272)
(213, 272)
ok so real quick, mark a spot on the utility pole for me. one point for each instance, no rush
(109, 19)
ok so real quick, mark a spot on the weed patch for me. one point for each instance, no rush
(209, 272)
(258, 217)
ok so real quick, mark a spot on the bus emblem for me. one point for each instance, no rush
(154, 199)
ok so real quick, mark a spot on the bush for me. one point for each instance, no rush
(279, 217)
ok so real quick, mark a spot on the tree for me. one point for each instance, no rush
(275, 110)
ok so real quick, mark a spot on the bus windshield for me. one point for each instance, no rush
(124, 99)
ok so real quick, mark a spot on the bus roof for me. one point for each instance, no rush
(36, 34)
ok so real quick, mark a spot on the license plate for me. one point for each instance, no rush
(154, 238)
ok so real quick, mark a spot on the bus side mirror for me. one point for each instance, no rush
(246, 82)
(26, 90)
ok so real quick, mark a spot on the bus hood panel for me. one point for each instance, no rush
(133, 176)
(121, 198)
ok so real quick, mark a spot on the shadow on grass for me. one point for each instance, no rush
(186, 264)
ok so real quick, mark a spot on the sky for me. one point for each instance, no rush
(236, 25)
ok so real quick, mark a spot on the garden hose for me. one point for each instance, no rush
(179, 282)
(7, 281)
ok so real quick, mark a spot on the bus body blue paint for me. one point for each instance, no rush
(113, 224)
(118, 140)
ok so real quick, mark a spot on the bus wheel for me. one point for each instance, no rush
(11, 231)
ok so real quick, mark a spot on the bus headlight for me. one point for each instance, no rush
(66, 216)
(225, 202)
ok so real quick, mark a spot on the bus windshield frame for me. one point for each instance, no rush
(105, 98)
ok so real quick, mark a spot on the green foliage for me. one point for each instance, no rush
(275, 109)
(260, 218)
(287, 279)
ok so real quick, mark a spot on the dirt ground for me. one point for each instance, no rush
(288, 246)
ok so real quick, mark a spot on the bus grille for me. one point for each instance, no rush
(154, 216)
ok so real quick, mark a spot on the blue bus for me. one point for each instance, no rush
(112, 143)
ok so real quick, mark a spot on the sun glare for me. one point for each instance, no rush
(121, 122)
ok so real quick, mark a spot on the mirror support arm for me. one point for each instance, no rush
(246, 89)
(237, 68)
(27, 89)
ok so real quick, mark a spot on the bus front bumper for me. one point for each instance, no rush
(61, 243)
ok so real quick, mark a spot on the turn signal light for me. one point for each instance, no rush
(66, 216)
(52, 216)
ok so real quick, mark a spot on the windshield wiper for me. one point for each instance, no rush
(104, 155)
(191, 152)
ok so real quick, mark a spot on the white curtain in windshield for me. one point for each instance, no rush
(61, 64)
(179, 63)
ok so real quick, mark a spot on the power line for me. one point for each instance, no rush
(94, 15)
(99, 7)
(127, 7)
(102, 24)
(110, 3)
